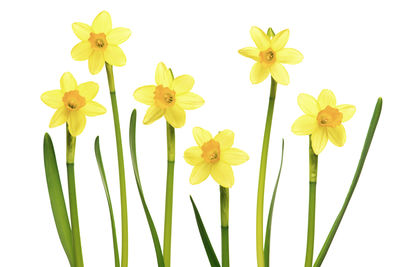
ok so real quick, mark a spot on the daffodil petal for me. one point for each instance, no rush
(222, 173)
(163, 75)
(192, 155)
(102, 23)
(59, 117)
(182, 84)
(96, 62)
(347, 111)
(305, 125)
(319, 139)
(76, 122)
(259, 37)
(189, 101)
(325, 98)
(225, 139)
(93, 108)
(118, 35)
(53, 98)
(200, 173)
(88, 90)
(153, 113)
(176, 116)
(280, 40)
(289, 56)
(114, 55)
(234, 156)
(81, 30)
(82, 51)
(201, 136)
(145, 94)
(337, 135)
(250, 52)
(258, 73)
(279, 73)
(67, 82)
(308, 104)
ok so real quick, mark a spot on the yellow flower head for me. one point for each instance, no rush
(270, 54)
(214, 156)
(73, 102)
(169, 98)
(323, 119)
(99, 43)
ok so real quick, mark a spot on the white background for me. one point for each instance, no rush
(350, 47)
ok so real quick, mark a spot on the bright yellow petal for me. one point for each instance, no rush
(176, 116)
(305, 125)
(67, 82)
(145, 94)
(347, 111)
(308, 104)
(258, 73)
(225, 139)
(222, 173)
(76, 122)
(234, 156)
(201, 136)
(96, 62)
(93, 108)
(279, 41)
(102, 23)
(189, 101)
(53, 98)
(289, 56)
(192, 155)
(325, 98)
(153, 113)
(250, 52)
(182, 84)
(260, 38)
(114, 55)
(118, 35)
(200, 173)
(319, 139)
(82, 51)
(279, 73)
(337, 135)
(163, 75)
(59, 117)
(81, 30)
(88, 90)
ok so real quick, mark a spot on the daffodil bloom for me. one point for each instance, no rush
(169, 98)
(99, 43)
(270, 54)
(73, 103)
(214, 156)
(322, 120)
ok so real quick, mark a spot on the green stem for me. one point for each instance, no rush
(313, 161)
(261, 181)
(76, 237)
(224, 205)
(169, 194)
(122, 184)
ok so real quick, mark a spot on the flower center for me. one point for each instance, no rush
(164, 97)
(73, 101)
(329, 117)
(211, 151)
(268, 56)
(98, 41)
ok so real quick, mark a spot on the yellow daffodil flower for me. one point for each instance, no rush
(270, 54)
(99, 43)
(214, 156)
(73, 102)
(323, 119)
(169, 98)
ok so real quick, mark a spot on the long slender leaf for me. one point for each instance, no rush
(367, 144)
(132, 143)
(105, 185)
(212, 257)
(270, 213)
(57, 200)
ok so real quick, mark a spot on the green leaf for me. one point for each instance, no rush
(105, 185)
(204, 237)
(367, 144)
(270, 213)
(57, 198)
(132, 143)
